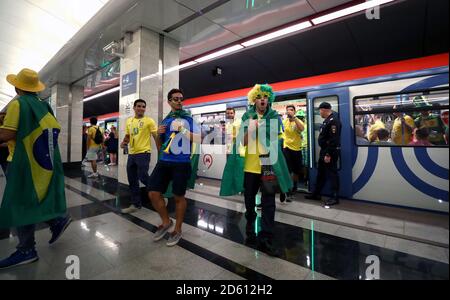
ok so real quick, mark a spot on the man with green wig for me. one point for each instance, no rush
(261, 166)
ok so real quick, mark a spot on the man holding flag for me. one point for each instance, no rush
(34, 191)
(263, 166)
(177, 165)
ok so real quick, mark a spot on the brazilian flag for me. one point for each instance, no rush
(34, 189)
(233, 175)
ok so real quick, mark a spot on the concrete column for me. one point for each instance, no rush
(149, 55)
(68, 101)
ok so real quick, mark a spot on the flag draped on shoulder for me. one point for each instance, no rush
(195, 150)
(233, 175)
(34, 189)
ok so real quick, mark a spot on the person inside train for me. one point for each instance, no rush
(403, 127)
(304, 171)
(361, 139)
(263, 166)
(139, 131)
(292, 144)
(383, 138)
(431, 121)
(377, 124)
(421, 136)
(231, 128)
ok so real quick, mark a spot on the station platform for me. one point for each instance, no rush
(315, 243)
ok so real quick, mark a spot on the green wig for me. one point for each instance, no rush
(259, 91)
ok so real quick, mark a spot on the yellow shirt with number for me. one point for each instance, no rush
(292, 135)
(11, 122)
(140, 131)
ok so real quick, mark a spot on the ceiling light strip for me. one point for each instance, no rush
(278, 34)
(110, 91)
(349, 11)
(220, 53)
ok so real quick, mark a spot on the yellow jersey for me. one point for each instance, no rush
(140, 132)
(405, 137)
(91, 134)
(292, 136)
(11, 122)
(252, 152)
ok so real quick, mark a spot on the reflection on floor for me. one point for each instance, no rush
(115, 246)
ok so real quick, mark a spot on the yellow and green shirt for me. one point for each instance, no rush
(292, 135)
(140, 131)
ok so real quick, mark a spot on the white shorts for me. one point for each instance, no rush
(92, 154)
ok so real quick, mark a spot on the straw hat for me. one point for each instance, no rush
(27, 80)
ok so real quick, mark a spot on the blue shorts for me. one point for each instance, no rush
(166, 172)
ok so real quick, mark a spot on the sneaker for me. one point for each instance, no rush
(174, 238)
(59, 229)
(129, 210)
(289, 198)
(19, 258)
(93, 175)
(330, 202)
(282, 197)
(162, 230)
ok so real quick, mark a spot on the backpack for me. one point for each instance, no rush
(98, 138)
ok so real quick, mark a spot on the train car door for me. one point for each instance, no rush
(339, 99)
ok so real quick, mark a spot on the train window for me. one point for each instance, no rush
(404, 119)
(212, 128)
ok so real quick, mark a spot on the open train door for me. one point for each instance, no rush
(339, 100)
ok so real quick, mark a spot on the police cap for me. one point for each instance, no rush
(325, 105)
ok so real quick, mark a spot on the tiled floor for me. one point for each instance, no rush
(114, 246)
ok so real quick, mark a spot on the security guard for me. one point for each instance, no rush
(330, 143)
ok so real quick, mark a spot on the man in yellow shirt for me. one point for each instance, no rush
(93, 146)
(231, 128)
(139, 130)
(292, 147)
(34, 191)
(403, 127)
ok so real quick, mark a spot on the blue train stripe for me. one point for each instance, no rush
(413, 180)
(369, 168)
(428, 83)
(428, 164)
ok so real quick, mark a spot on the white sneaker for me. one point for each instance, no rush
(93, 175)
(129, 210)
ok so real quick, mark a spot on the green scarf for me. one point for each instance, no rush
(233, 175)
(34, 190)
(182, 114)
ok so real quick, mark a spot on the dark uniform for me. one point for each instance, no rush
(330, 144)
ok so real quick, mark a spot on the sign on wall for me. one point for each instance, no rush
(129, 83)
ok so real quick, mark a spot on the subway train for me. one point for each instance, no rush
(392, 174)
